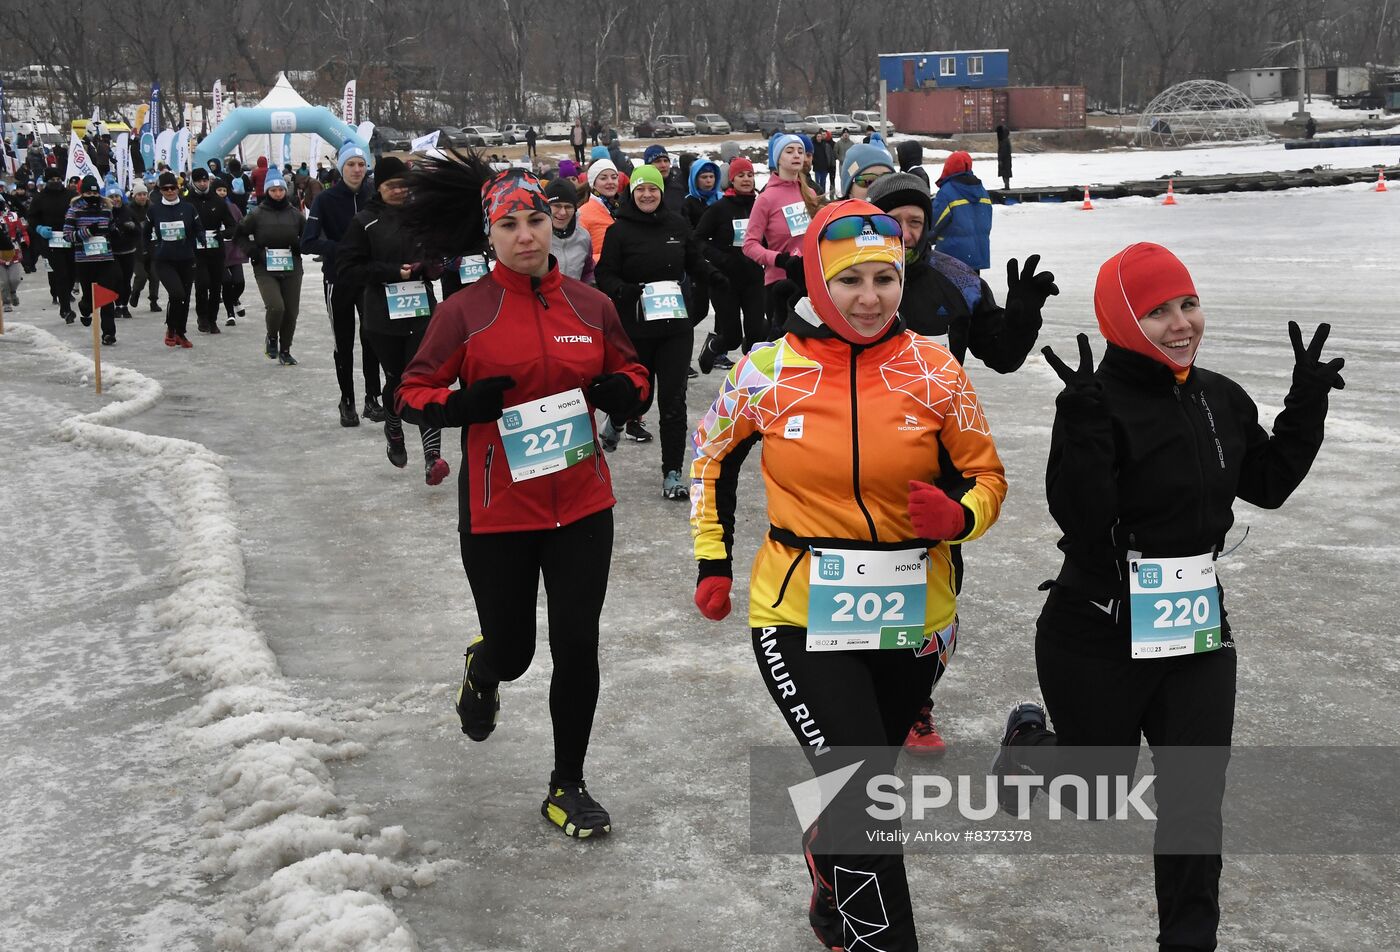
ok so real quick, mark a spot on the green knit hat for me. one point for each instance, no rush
(646, 175)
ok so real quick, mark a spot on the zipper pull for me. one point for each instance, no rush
(539, 296)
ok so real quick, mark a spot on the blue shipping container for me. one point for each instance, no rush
(946, 69)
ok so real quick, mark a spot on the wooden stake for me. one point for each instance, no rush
(96, 342)
(2, 315)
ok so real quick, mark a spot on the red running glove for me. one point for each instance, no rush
(712, 596)
(934, 513)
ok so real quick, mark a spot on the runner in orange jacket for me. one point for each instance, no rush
(854, 410)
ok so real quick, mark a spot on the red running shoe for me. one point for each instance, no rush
(923, 739)
(435, 470)
(171, 340)
(184, 341)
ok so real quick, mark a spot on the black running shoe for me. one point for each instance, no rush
(374, 410)
(86, 319)
(156, 308)
(691, 373)
(348, 417)
(636, 432)
(570, 807)
(69, 316)
(270, 348)
(1025, 716)
(478, 710)
(395, 450)
(286, 359)
(722, 362)
(109, 339)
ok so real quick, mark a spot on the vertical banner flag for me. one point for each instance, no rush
(2, 112)
(315, 154)
(123, 154)
(286, 149)
(79, 162)
(96, 118)
(218, 101)
(161, 155)
(182, 148)
(154, 115)
(347, 108)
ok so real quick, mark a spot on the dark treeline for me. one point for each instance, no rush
(424, 61)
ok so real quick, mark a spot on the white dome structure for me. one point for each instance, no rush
(1199, 110)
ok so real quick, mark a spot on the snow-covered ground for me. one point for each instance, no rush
(232, 633)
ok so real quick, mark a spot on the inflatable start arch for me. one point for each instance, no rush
(252, 120)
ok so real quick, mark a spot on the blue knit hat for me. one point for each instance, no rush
(806, 142)
(347, 152)
(275, 179)
(653, 153)
(861, 157)
(598, 152)
(777, 144)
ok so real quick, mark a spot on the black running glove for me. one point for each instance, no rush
(1312, 379)
(1082, 392)
(1027, 292)
(480, 402)
(614, 394)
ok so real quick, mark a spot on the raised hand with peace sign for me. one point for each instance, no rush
(1082, 390)
(1311, 377)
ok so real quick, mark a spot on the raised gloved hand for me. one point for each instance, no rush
(795, 270)
(1027, 292)
(934, 513)
(479, 402)
(1311, 377)
(45, 232)
(614, 394)
(1082, 391)
(712, 596)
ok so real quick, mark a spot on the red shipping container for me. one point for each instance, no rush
(945, 111)
(1045, 107)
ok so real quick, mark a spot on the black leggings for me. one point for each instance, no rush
(395, 352)
(850, 699)
(1099, 701)
(342, 303)
(208, 285)
(61, 277)
(127, 264)
(504, 569)
(667, 360)
(234, 284)
(144, 274)
(747, 299)
(107, 274)
(177, 277)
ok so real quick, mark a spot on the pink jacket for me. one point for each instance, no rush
(768, 232)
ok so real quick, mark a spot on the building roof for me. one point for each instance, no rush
(942, 52)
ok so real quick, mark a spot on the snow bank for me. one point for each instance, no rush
(300, 867)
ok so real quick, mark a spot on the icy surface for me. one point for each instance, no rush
(234, 630)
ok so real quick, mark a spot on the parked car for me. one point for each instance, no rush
(869, 117)
(482, 135)
(556, 130)
(834, 124)
(785, 120)
(712, 124)
(646, 129)
(388, 139)
(450, 137)
(1366, 100)
(673, 125)
(514, 132)
(745, 120)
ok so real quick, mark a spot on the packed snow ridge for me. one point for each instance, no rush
(299, 867)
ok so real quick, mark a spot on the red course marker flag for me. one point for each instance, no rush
(101, 296)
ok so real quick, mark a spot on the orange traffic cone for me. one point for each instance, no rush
(1380, 182)
(1088, 206)
(1171, 194)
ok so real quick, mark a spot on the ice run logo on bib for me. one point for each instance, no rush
(511, 420)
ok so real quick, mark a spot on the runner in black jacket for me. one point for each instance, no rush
(45, 219)
(721, 236)
(1147, 457)
(218, 226)
(647, 245)
(377, 255)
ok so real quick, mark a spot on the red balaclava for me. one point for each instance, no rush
(843, 254)
(1130, 285)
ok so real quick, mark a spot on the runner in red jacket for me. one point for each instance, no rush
(534, 353)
